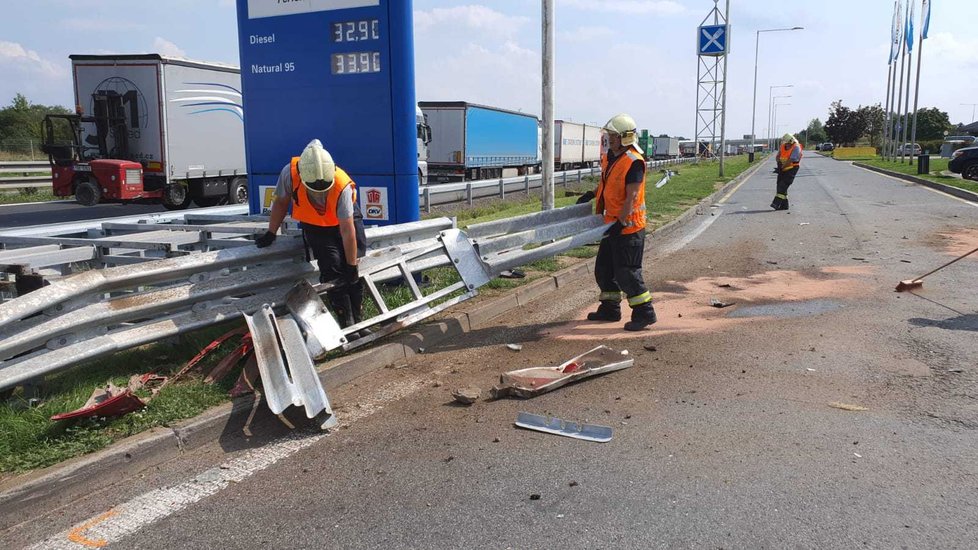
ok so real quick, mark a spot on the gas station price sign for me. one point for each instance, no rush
(341, 71)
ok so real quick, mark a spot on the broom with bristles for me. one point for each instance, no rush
(911, 284)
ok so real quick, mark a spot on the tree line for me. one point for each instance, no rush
(866, 125)
(20, 122)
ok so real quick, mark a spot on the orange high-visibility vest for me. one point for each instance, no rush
(302, 208)
(611, 191)
(785, 155)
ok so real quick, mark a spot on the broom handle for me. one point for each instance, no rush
(947, 264)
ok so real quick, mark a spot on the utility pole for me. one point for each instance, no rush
(548, 105)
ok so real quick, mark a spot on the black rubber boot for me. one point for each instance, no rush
(608, 311)
(642, 316)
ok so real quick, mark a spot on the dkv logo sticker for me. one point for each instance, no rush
(375, 207)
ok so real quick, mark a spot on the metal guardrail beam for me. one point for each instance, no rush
(7, 184)
(25, 166)
(102, 311)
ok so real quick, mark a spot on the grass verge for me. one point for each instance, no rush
(937, 165)
(28, 195)
(29, 440)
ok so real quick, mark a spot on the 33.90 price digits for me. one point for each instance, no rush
(356, 63)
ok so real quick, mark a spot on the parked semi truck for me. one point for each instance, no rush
(150, 128)
(665, 148)
(424, 138)
(576, 145)
(472, 142)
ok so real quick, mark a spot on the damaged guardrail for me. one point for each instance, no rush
(98, 312)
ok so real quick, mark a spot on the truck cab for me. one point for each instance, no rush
(424, 138)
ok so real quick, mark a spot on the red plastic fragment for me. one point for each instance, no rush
(114, 405)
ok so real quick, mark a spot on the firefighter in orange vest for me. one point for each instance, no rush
(789, 160)
(324, 201)
(620, 197)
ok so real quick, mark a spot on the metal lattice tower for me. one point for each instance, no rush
(711, 82)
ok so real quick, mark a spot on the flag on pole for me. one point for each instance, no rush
(909, 32)
(898, 36)
(894, 33)
(924, 19)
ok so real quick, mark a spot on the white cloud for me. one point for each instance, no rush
(17, 57)
(163, 46)
(944, 45)
(473, 16)
(658, 7)
(586, 34)
(100, 25)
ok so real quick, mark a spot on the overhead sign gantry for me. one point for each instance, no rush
(341, 71)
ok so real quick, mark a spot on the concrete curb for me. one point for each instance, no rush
(151, 448)
(949, 189)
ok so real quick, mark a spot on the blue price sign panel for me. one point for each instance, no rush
(712, 39)
(341, 71)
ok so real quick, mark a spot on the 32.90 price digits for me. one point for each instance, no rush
(355, 31)
(356, 63)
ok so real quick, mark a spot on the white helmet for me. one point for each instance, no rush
(788, 138)
(624, 126)
(316, 167)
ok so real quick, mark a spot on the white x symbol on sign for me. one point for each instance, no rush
(712, 40)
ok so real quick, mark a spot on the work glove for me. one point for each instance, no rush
(586, 197)
(265, 240)
(350, 274)
(615, 229)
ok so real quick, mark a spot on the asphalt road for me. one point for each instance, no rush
(724, 436)
(22, 215)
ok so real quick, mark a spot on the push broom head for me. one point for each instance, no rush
(909, 284)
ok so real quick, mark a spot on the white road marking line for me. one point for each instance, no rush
(131, 516)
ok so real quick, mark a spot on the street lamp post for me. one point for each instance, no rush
(757, 48)
(776, 105)
(772, 135)
(972, 110)
(770, 104)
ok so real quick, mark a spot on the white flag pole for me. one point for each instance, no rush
(924, 11)
(906, 108)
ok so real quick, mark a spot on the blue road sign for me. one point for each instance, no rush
(712, 39)
(341, 71)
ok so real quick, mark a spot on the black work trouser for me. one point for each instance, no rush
(326, 243)
(618, 267)
(785, 179)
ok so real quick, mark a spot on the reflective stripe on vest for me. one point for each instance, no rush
(785, 155)
(302, 208)
(611, 191)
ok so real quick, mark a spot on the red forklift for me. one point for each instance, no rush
(100, 168)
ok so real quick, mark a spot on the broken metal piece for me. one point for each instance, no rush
(323, 333)
(719, 303)
(298, 385)
(556, 426)
(109, 401)
(534, 381)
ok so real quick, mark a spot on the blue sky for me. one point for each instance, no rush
(635, 56)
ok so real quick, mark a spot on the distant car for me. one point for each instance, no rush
(826, 147)
(965, 162)
(907, 149)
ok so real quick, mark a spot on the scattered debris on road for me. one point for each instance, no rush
(719, 303)
(513, 274)
(534, 381)
(847, 406)
(650, 347)
(804, 223)
(515, 347)
(556, 426)
(467, 395)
